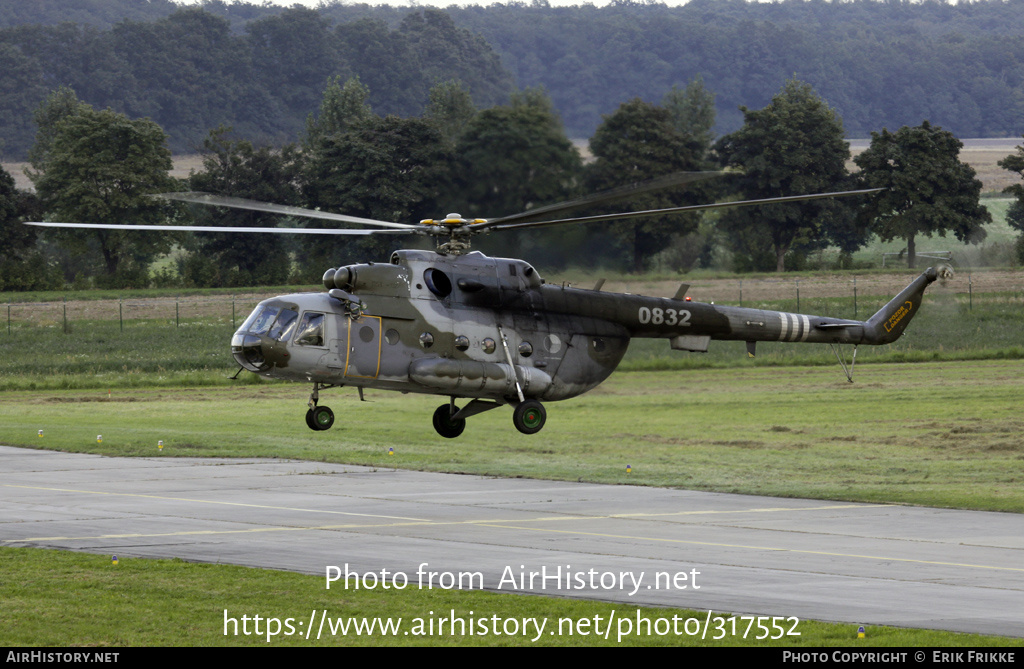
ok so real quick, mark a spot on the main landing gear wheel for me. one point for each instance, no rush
(529, 417)
(443, 423)
(320, 418)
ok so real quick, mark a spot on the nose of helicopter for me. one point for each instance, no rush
(247, 349)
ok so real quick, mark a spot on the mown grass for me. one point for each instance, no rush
(946, 433)
(159, 352)
(64, 599)
(938, 434)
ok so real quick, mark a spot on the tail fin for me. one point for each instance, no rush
(891, 320)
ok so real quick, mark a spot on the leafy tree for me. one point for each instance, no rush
(515, 157)
(59, 105)
(450, 108)
(928, 189)
(1015, 214)
(100, 167)
(637, 143)
(294, 52)
(389, 169)
(22, 265)
(341, 107)
(236, 168)
(693, 112)
(793, 146)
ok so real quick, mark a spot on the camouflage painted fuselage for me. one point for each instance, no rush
(439, 324)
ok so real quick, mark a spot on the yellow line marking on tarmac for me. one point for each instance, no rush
(503, 524)
(210, 501)
(758, 548)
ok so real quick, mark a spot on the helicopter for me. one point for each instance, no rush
(490, 331)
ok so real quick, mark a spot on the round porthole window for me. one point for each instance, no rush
(526, 349)
(489, 345)
(426, 340)
(462, 342)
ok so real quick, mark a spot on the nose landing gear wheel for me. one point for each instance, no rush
(529, 417)
(445, 426)
(320, 418)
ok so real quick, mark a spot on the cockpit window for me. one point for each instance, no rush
(311, 330)
(284, 326)
(260, 320)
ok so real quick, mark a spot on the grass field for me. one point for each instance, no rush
(941, 434)
(938, 425)
(53, 598)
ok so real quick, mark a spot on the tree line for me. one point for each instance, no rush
(93, 165)
(190, 72)
(259, 68)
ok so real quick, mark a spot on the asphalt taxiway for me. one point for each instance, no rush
(857, 563)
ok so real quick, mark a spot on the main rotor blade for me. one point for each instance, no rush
(677, 210)
(254, 205)
(215, 228)
(604, 197)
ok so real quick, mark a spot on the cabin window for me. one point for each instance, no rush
(311, 330)
(285, 325)
(260, 320)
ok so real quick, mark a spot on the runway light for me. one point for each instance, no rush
(391, 450)
(860, 632)
(113, 559)
(629, 469)
(99, 438)
(40, 433)
(160, 445)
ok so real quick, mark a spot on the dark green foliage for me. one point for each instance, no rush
(515, 157)
(878, 63)
(22, 265)
(638, 143)
(693, 112)
(234, 167)
(929, 191)
(189, 71)
(59, 105)
(1015, 214)
(293, 54)
(340, 108)
(389, 169)
(793, 146)
(100, 167)
(450, 109)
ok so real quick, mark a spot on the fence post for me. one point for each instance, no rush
(120, 312)
(176, 311)
(798, 295)
(65, 314)
(741, 292)
(855, 297)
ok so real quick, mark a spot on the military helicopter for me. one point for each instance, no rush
(454, 322)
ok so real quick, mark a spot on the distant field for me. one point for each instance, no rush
(981, 154)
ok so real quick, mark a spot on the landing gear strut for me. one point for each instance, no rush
(318, 417)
